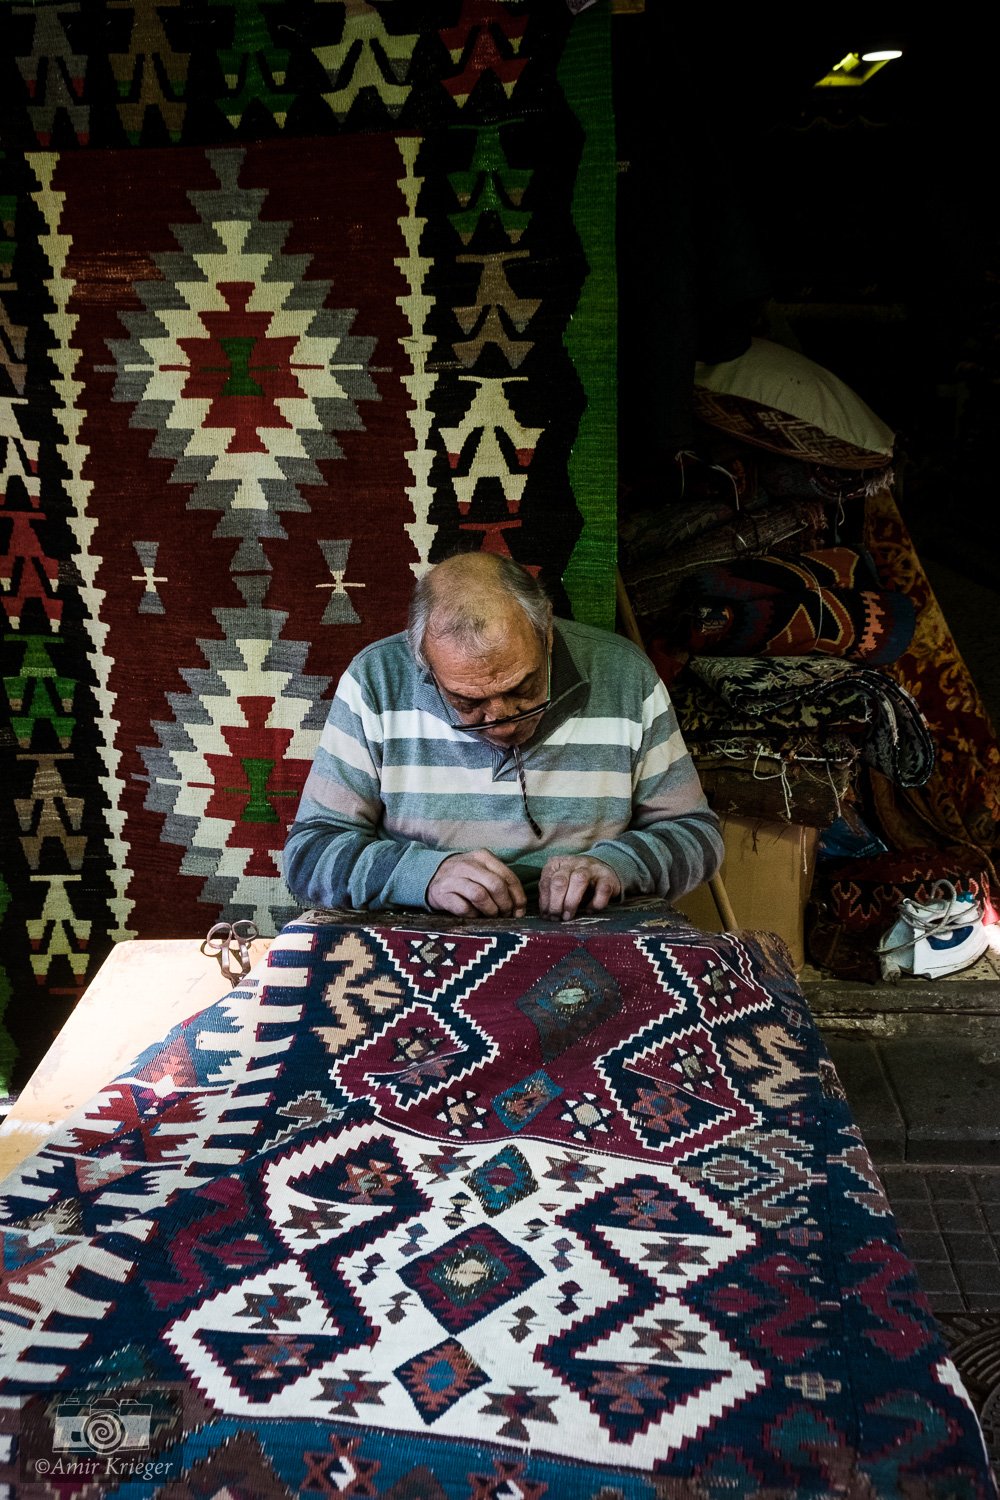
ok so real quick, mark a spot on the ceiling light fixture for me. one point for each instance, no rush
(857, 67)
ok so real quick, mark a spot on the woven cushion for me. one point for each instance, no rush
(777, 399)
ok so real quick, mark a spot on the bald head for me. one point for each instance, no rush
(475, 600)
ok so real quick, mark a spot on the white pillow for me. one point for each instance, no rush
(785, 381)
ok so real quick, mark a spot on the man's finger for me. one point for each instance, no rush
(482, 884)
(453, 903)
(492, 902)
(490, 896)
(606, 887)
(481, 898)
(565, 882)
(576, 888)
(502, 873)
(551, 891)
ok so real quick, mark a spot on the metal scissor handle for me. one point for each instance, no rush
(229, 942)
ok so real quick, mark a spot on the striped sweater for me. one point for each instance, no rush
(394, 788)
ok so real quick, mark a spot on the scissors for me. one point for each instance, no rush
(229, 942)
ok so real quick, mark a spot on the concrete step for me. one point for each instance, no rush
(933, 1097)
(919, 1061)
(968, 1002)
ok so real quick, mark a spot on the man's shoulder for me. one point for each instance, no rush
(598, 649)
(389, 648)
(385, 664)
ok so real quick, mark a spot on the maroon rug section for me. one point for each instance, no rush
(205, 465)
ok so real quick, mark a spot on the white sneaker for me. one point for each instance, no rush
(934, 938)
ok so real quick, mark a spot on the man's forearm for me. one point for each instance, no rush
(328, 864)
(667, 858)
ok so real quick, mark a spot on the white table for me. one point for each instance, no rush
(142, 989)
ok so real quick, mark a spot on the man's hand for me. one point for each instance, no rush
(567, 878)
(476, 881)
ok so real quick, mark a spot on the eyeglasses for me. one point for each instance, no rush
(528, 713)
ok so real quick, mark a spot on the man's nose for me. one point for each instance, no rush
(495, 708)
(503, 733)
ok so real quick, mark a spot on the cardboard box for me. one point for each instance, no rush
(768, 873)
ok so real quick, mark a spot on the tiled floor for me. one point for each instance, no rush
(928, 1098)
(949, 1219)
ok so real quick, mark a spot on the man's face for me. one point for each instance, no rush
(509, 675)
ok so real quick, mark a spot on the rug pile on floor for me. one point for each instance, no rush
(464, 1210)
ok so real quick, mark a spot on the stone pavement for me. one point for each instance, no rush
(920, 1063)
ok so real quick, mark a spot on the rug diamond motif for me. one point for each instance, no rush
(674, 1089)
(229, 801)
(502, 1181)
(261, 1364)
(439, 1377)
(570, 1001)
(463, 1280)
(236, 363)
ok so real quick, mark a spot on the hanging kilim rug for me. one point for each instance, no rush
(553, 1212)
(294, 298)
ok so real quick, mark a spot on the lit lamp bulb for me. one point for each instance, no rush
(857, 67)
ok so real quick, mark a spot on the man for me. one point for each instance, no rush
(492, 751)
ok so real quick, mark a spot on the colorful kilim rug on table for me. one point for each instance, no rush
(294, 298)
(572, 1210)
